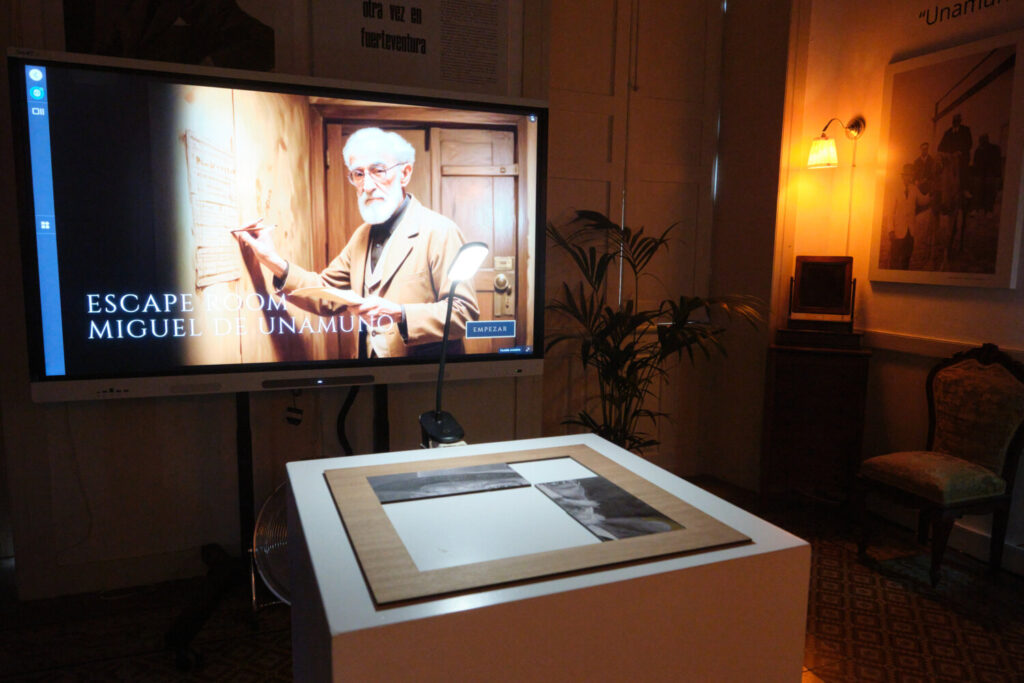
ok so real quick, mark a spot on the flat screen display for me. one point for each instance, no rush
(194, 231)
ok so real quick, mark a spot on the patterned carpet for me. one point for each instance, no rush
(881, 622)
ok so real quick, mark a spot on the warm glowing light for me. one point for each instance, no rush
(467, 261)
(823, 153)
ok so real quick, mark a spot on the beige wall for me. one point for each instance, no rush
(841, 58)
(838, 66)
(634, 112)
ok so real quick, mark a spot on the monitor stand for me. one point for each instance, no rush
(225, 570)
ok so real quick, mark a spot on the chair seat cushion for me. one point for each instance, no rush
(939, 477)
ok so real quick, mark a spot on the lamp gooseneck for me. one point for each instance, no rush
(444, 351)
(436, 426)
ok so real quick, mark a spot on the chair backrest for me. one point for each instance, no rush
(976, 409)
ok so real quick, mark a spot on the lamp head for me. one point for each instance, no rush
(823, 149)
(467, 261)
(823, 153)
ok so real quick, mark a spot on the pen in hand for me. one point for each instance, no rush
(252, 227)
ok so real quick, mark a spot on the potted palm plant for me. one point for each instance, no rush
(627, 347)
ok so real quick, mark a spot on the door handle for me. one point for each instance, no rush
(501, 283)
(504, 302)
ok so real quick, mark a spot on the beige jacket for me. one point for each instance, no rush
(412, 271)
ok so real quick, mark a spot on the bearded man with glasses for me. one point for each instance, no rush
(397, 260)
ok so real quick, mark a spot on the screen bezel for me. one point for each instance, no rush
(260, 376)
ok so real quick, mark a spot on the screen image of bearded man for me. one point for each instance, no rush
(397, 259)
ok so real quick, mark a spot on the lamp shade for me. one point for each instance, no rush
(471, 255)
(823, 153)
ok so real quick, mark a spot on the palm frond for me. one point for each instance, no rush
(625, 346)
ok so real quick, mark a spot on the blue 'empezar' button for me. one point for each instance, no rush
(490, 329)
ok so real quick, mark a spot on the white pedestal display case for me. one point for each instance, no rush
(734, 611)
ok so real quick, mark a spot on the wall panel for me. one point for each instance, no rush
(672, 54)
(661, 107)
(664, 134)
(581, 143)
(586, 37)
(753, 87)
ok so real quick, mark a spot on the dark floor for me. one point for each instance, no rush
(120, 636)
(881, 622)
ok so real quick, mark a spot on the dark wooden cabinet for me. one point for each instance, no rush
(814, 415)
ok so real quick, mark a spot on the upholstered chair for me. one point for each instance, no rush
(975, 439)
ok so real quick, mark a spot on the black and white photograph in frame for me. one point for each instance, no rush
(948, 208)
(394, 488)
(607, 510)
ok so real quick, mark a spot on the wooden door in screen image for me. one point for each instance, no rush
(468, 175)
(477, 187)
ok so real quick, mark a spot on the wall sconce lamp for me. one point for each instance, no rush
(823, 149)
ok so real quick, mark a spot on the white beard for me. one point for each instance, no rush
(379, 211)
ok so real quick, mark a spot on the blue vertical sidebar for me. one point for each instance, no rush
(37, 98)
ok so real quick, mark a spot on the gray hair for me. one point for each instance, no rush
(375, 142)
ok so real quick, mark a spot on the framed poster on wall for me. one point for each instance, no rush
(949, 205)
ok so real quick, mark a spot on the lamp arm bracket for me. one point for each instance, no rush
(854, 127)
(829, 123)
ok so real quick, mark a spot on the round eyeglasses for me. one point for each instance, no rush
(379, 173)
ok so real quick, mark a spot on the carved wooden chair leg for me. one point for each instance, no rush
(923, 522)
(942, 524)
(1000, 517)
(858, 495)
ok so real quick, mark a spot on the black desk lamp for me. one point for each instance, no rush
(438, 427)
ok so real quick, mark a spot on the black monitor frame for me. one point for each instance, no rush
(230, 378)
